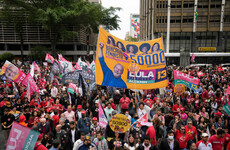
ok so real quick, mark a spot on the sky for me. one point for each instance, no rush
(128, 7)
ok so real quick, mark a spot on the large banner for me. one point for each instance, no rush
(185, 79)
(89, 77)
(11, 72)
(71, 77)
(115, 58)
(21, 137)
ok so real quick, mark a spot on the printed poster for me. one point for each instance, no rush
(115, 57)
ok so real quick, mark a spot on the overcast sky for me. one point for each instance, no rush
(128, 7)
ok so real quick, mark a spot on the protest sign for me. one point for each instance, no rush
(226, 108)
(21, 137)
(119, 123)
(114, 57)
(89, 77)
(179, 88)
(67, 66)
(29, 81)
(71, 88)
(185, 79)
(71, 77)
(11, 72)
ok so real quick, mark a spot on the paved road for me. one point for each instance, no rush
(2, 138)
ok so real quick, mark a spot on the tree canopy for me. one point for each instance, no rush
(62, 19)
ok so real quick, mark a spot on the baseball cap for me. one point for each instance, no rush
(22, 118)
(204, 134)
(97, 101)
(218, 113)
(206, 101)
(40, 136)
(79, 107)
(95, 118)
(188, 101)
(83, 112)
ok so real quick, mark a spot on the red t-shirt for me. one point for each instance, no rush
(226, 139)
(176, 108)
(182, 139)
(39, 147)
(124, 103)
(190, 132)
(217, 143)
(152, 134)
(58, 106)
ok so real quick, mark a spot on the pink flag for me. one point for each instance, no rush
(228, 90)
(200, 74)
(21, 137)
(61, 58)
(36, 67)
(77, 67)
(33, 86)
(102, 119)
(143, 121)
(193, 58)
(49, 58)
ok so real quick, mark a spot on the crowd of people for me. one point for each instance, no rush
(180, 121)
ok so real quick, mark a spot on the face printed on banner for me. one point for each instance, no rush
(155, 47)
(131, 49)
(144, 49)
(118, 70)
(11, 71)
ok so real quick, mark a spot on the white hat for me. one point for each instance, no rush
(97, 101)
(117, 91)
(204, 134)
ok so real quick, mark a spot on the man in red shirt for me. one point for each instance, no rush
(226, 136)
(191, 131)
(124, 103)
(148, 99)
(58, 106)
(39, 145)
(152, 134)
(176, 108)
(217, 140)
(180, 135)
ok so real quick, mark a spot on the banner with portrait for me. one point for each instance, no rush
(11, 72)
(132, 65)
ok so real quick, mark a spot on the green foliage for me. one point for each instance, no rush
(132, 39)
(62, 19)
(6, 56)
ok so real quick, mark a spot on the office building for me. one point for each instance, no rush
(201, 27)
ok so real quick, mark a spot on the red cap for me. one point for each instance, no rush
(40, 136)
(188, 101)
(206, 101)
(182, 109)
(83, 112)
(79, 107)
(22, 118)
(95, 118)
(218, 114)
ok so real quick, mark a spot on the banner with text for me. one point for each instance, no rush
(185, 79)
(115, 58)
(21, 137)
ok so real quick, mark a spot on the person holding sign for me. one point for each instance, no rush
(111, 78)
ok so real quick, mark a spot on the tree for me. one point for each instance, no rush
(62, 19)
(6, 56)
(17, 17)
(132, 39)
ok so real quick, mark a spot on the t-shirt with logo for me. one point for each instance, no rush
(203, 146)
(226, 139)
(7, 120)
(182, 139)
(217, 143)
(191, 132)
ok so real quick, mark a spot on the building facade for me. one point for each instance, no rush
(34, 35)
(134, 26)
(202, 27)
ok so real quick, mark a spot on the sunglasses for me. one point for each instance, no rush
(182, 129)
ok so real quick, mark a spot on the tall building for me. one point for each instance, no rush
(134, 26)
(198, 26)
(34, 35)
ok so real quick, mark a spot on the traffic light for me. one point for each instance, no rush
(87, 40)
